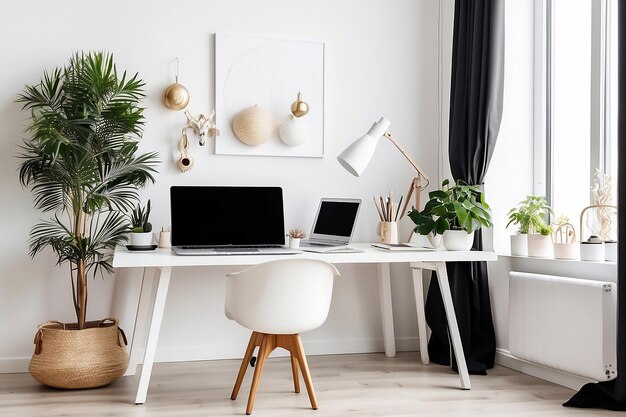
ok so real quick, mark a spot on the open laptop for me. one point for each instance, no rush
(333, 226)
(210, 220)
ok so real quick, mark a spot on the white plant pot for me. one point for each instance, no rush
(435, 241)
(294, 242)
(592, 251)
(610, 251)
(141, 239)
(519, 244)
(566, 250)
(458, 240)
(539, 246)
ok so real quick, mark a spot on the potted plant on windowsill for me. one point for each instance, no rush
(529, 218)
(454, 212)
(81, 164)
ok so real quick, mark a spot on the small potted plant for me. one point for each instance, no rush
(529, 218)
(141, 233)
(454, 212)
(295, 235)
(564, 239)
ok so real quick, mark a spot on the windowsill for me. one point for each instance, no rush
(596, 271)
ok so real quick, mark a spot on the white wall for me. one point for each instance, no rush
(381, 59)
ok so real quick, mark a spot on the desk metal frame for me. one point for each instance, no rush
(164, 260)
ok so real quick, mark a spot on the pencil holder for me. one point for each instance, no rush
(387, 232)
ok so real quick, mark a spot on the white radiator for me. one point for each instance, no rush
(564, 323)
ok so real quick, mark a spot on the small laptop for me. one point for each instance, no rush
(333, 226)
(211, 220)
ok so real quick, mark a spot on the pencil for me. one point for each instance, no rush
(399, 205)
(380, 213)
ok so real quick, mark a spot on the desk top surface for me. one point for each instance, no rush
(124, 258)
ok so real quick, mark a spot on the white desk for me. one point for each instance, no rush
(164, 260)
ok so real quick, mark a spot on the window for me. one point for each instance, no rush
(576, 99)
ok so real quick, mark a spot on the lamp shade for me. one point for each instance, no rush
(357, 156)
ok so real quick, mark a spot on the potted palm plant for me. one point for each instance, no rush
(533, 236)
(81, 164)
(454, 212)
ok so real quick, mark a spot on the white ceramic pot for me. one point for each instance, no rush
(458, 240)
(294, 242)
(141, 239)
(519, 244)
(610, 250)
(539, 246)
(435, 241)
(566, 250)
(592, 251)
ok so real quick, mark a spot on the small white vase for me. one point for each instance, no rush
(458, 240)
(610, 250)
(294, 242)
(435, 241)
(592, 251)
(539, 246)
(519, 244)
(141, 239)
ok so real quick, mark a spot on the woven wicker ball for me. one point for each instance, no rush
(253, 125)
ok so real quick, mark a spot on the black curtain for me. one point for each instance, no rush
(612, 394)
(475, 115)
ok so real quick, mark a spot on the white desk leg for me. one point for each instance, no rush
(418, 287)
(453, 327)
(386, 310)
(153, 333)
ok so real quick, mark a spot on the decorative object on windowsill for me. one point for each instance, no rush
(454, 212)
(388, 211)
(95, 202)
(185, 162)
(176, 96)
(202, 126)
(295, 235)
(540, 243)
(253, 125)
(592, 249)
(610, 250)
(141, 232)
(602, 199)
(529, 217)
(564, 241)
(358, 155)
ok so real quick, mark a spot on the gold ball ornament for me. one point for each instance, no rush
(176, 96)
(253, 125)
(299, 108)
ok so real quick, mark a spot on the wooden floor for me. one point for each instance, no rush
(346, 385)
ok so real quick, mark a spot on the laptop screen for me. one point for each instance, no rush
(224, 216)
(336, 219)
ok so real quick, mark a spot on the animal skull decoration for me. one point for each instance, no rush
(202, 126)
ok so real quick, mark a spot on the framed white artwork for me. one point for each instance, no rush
(257, 79)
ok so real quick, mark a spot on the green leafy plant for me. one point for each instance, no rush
(139, 219)
(530, 215)
(81, 163)
(457, 207)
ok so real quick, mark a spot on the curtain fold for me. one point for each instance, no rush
(475, 114)
(611, 395)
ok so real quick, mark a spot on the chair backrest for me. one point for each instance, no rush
(281, 297)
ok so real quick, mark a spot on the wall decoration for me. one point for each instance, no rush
(176, 96)
(267, 73)
(185, 162)
(254, 125)
(202, 126)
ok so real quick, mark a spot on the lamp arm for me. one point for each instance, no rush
(407, 156)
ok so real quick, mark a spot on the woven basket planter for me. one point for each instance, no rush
(68, 358)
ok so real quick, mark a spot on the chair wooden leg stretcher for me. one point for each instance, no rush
(266, 344)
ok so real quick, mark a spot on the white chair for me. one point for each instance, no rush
(277, 300)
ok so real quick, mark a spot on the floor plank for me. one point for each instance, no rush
(365, 385)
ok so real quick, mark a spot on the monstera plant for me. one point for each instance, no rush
(81, 163)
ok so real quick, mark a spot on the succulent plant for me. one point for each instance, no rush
(139, 219)
(297, 233)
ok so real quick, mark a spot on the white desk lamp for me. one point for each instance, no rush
(357, 156)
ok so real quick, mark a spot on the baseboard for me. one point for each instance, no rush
(504, 358)
(235, 351)
(14, 365)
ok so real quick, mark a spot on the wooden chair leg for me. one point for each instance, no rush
(265, 350)
(294, 370)
(306, 375)
(252, 344)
